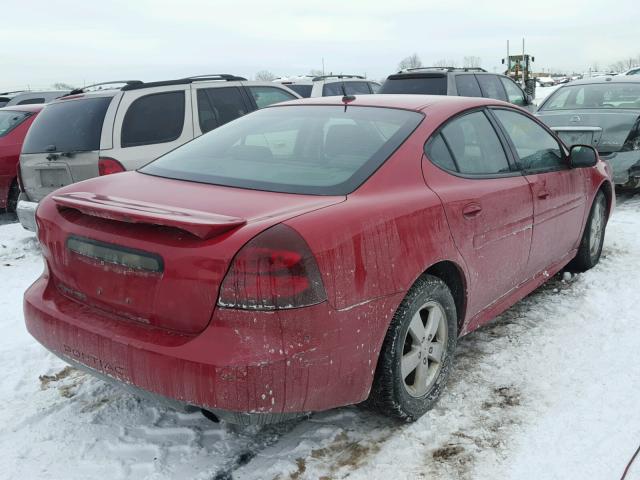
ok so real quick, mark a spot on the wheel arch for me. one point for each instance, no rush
(453, 276)
(607, 188)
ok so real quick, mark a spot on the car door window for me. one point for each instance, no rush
(491, 87)
(265, 96)
(514, 93)
(537, 149)
(217, 106)
(475, 146)
(154, 118)
(467, 86)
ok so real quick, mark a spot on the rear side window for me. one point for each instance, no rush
(514, 93)
(475, 145)
(467, 86)
(10, 120)
(491, 87)
(217, 106)
(265, 96)
(303, 90)
(350, 88)
(155, 118)
(412, 84)
(68, 126)
(439, 153)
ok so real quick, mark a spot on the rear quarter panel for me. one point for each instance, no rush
(375, 245)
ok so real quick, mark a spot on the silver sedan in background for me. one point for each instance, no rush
(603, 112)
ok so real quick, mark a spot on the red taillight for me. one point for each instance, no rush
(107, 166)
(275, 270)
(19, 178)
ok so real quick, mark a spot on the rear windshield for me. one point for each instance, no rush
(68, 126)
(321, 150)
(302, 90)
(595, 95)
(350, 88)
(10, 119)
(423, 85)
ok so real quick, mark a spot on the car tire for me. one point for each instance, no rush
(12, 197)
(423, 332)
(592, 240)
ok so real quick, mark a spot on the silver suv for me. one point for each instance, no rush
(327, 85)
(465, 82)
(109, 130)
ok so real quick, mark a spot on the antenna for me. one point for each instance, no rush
(346, 98)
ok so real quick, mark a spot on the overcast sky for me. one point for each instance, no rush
(83, 42)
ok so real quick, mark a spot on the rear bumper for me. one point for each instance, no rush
(26, 211)
(246, 367)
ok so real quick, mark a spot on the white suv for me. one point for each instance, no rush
(100, 130)
(329, 85)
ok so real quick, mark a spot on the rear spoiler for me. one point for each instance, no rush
(203, 225)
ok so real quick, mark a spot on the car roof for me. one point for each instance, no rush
(33, 107)
(607, 79)
(399, 101)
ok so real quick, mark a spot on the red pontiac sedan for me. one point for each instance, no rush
(314, 254)
(14, 124)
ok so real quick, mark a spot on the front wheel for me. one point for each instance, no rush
(417, 353)
(590, 247)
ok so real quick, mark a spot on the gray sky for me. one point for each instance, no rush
(77, 42)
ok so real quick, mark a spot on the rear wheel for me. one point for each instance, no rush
(590, 248)
(417, 353)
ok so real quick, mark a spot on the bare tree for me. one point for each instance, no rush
(443, 62)
(62, 86)
(472, 62)
(264, 75)
(412, 61)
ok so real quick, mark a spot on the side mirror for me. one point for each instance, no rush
(581, 156)
(529, 99)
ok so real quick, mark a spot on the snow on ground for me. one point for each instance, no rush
(542, 93)
(549, 390)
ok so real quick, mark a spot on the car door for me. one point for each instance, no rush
(217, 104)
(487, 202)
(151, 123)
(515, 94)
(558, 191)
(491, 86)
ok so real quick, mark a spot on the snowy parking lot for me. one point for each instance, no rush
(548, 390)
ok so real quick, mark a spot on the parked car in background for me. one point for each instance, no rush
(603, 112)
(32, 98)
(14, 124)
(466, 82)
(104, 131)
(6, 96)
(633, 71)
(244, 273)
(327, 85)
(545, 81)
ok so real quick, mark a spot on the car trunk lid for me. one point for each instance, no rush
(605, 129)
(154, 250)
